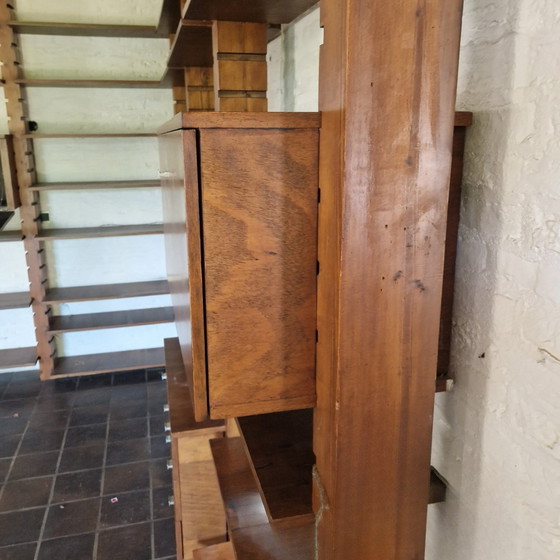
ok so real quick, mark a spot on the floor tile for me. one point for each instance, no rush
(133, 428)
(21, 494)
(34, 442)
(159, 473)
(18, 552)
(126, 543)
(89, 415)
(159, 447)
(80, 458)
(36, 464)
(20, 408)
(137, 409)
(48, 421)
(77, 486)
(128, 451)
(72, 518)
(20, 526)
(4, 468)
(160, 500)
(164, 538)
(132, 507)
(155, 407)
(9, 426)
(123, 478)
(8, 445)
(78, 547)
(86, 435)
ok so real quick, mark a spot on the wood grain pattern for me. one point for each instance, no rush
(192, 45)
(387, 93)
(222, 551)
(259, 200)
(199, 82)
(15, 300)
(61, 83)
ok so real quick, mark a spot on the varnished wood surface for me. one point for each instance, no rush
(92, 135)
(107, 291)
(258, 11)
(259, 214)
(15, 300)
(222, 551)
(91, 185)
(107, 362)
(92, 83)
(18, 357)
(10, 236)
(192, 45)
(110, 319)
(279, 446)
(199, 84)
(387, 87)
(82, 29)
(240, 493)
(102, 231)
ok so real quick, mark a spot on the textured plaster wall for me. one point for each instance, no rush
(497, 434)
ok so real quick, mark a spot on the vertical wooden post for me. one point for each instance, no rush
(30, 204)
(240, 78)
(387, 94)
(199, 85)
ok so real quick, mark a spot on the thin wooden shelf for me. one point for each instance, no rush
(15, 300)
(91, 185)
(108, 362)
(84, 29)
(89, 83)
(192, 45)
(102, 231)
(106, 291)
(96, 135)
(18, 357)
(112, 319)
(10, 236)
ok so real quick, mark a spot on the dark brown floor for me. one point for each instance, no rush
(83, 468)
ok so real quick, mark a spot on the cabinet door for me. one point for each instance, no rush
(183, 257)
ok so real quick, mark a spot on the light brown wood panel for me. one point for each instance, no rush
(102, 231)
(243, 104)
(236, 37)
(199, 82)
(222, 551)
(242, 75)
(82, 29)
(387, 93)
(244, 121)
(61, 83)
(259, 201)
(94, 185)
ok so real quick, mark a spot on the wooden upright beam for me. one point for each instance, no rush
(199, 86)
(387, 94)
(240, 79)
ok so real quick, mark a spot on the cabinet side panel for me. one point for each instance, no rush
(259, 193)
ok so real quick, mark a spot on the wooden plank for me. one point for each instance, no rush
(106, 291)
(260, 285)
(384, 176)
(15, 300)
(111, 319)
(89, 83)
(222, 551)
(258, 11)
(18, 357)
(10, 236)
(240, 493)
(83, 29)
(97, 135)
(192, 45)
(280, 451)
(199, 84)
(68, 366)
(92, 185)
(102, 231)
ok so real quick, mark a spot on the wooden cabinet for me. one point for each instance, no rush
(240, 211)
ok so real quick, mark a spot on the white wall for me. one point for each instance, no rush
(497, 434)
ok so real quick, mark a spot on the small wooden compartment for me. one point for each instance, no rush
(240, 211)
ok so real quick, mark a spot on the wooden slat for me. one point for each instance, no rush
(10, 236)
(102, 231)
(68, 366)
(15, 300)
(112, 319)
(107, 291)
(97, 135)
(192, 45)
(240, 493)
(257, 11)
(18, 357)
(222, 551)
(89, 83)
(280, 449)
(91, 185)
(83, 29)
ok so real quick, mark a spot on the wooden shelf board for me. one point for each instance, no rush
(68, 366)
(100, 135)
(64, 83)
(222, 551)
(102, 231)
(112, 319)
(106, 291)
(192, 45)
(84, 29)
(15, 300)
(181, 413)
(18, 357)
(258, 11)
(94, 185)
(240, 493)
(279, 446)
(10, 236)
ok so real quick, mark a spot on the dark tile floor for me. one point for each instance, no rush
(83, 468)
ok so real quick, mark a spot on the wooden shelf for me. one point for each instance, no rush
(84, 29)
(86, 135)
(10, 236)
(63, 83)
(18, 357)
(106, 363)
(192, 45)
(103, 231)
(280, 449)
(258, 11)
(15, 300)
(94, 185)
(112, 319)
(106, 291)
